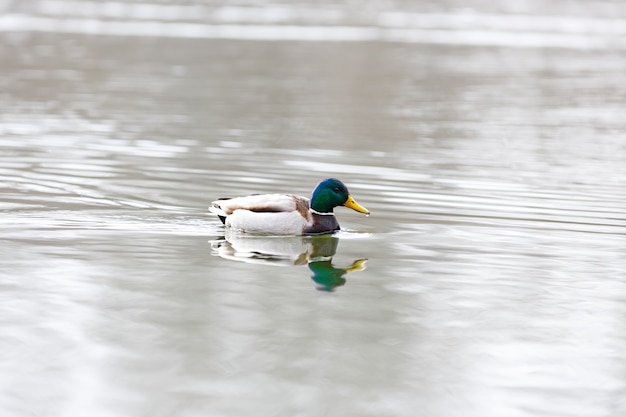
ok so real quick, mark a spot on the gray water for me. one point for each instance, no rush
(488, 143)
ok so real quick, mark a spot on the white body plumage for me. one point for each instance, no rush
(278, 214)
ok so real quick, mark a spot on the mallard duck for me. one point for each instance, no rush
(287, 214)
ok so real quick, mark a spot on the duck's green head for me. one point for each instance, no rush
(331, 193)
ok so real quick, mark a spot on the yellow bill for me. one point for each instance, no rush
(351, 203)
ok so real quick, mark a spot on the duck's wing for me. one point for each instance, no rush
(262, 203)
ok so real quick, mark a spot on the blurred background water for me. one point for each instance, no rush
(487, 139)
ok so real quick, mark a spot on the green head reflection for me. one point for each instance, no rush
(325, 274)
(328, 277)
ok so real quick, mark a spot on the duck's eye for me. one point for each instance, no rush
(336, 189)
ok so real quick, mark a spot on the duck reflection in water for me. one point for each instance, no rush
(315, 251)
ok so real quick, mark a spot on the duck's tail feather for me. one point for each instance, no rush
(217, 210)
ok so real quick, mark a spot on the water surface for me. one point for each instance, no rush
(489, 146)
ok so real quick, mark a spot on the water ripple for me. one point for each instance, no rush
(416, 198)
(275, 23)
